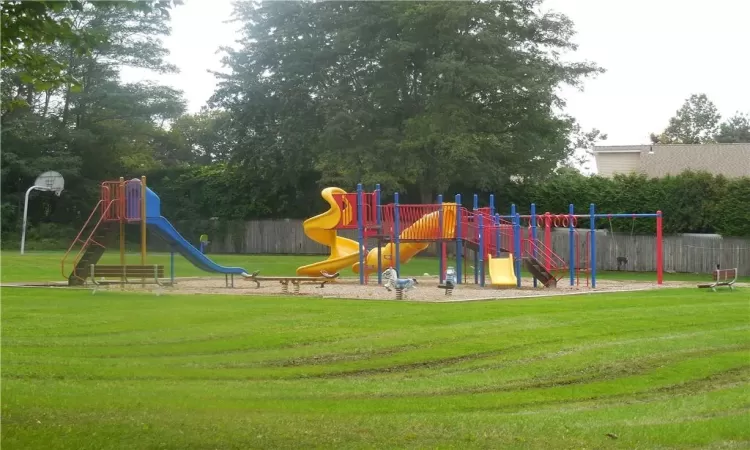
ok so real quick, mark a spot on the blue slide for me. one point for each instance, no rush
(166, 231)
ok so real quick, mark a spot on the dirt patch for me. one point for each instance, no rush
(426, 290)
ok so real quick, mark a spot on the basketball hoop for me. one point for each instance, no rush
(50, 181)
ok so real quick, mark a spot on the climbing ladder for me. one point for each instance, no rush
(547, 273)
(93, 240)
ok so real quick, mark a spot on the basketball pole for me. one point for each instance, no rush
(26, 210)
(49, 181)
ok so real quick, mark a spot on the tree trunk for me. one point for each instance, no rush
(66, 106)
(30, 97)
(47, 96)
(427, 196)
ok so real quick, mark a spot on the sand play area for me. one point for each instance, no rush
(426, 290)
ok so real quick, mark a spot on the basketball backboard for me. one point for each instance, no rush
(50, 181)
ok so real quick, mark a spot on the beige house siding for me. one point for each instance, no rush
(730, 160)
(609, 164)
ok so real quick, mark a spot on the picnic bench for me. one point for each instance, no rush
(125, 272)
(722, 277)
(324, 278)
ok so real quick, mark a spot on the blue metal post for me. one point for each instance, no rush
(396, 234)
(441, 242)
(480, 252)
(379, 219)
(476, 202)
(592, 244)
(572, 243)
(361, 234)
(516, 243)
(533, 234)
(459, 245)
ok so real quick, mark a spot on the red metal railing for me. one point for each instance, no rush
(491, 226)
(113, 191)
(554, 263)
(420, 222)
(349, 210)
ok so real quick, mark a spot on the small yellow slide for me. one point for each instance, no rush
(322, 229)
(501, 271)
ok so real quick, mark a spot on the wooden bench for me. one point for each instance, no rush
(151, 272)
(324, 278)
(722, 277)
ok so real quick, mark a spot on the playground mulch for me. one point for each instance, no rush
(426, 290)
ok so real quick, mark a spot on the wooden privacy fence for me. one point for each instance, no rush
(682, 253)
(693, 253)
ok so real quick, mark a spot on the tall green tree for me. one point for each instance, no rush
(736, 129)
(696, 122)
(90, 125)
(201, 138)
(29, 28)
(415, 95)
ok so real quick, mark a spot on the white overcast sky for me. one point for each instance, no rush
(656, 53)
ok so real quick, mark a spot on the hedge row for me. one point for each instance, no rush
(692, 202)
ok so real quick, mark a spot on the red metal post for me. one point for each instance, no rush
(659, 249)
(548, 240)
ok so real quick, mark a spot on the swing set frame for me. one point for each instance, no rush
(574, 265)
(593, 216)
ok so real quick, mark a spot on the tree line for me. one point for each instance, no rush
(422, 97)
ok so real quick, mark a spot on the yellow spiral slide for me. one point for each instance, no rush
(322, 229)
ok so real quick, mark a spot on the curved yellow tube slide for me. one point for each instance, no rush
(321, 229)
(428, 227)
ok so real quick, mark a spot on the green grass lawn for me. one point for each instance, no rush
(660, 369)
(45, 266)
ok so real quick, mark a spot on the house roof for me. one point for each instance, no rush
(730, 160)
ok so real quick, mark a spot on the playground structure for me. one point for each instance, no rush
(130, 202)
(502, 243)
